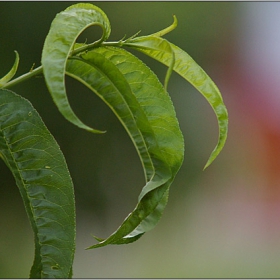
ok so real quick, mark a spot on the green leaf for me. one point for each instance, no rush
(167, 29)
(157, 45)
(11, 73)
(138, 99)
(44, 182)
(184, 65)
(65, 29)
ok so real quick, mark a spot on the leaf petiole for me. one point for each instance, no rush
(39, 70)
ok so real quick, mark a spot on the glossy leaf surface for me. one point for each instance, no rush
(65, 29)
(164, 51)
(145, 109)
(41, 174)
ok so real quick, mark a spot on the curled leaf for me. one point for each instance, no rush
(11, 73)
(167, 29)
(145, 109)
(59, 43)
(186, 67)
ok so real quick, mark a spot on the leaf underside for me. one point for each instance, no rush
(163, 51)
(134, 94)
(41, 174)
(138, 99)
(65, 29)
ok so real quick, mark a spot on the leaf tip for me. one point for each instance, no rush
(207, 164)
(96, 131)
(175, 21)
(11, 73)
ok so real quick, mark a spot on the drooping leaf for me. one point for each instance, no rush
(11, 73)
(110, 85)
(157, 45)
(41, 174)
(184, 65)
(145, 109)
(65, 29)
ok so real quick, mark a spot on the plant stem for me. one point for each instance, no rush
(39, 69)
(24, 77)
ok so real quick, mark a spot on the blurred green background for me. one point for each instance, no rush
(223, 222)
